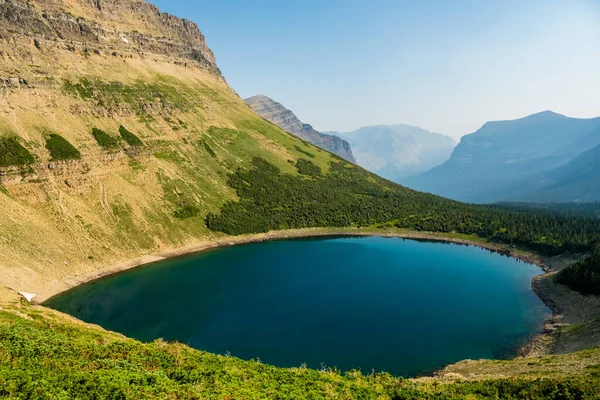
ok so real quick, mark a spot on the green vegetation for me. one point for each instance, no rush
(161, 90)
(44, 355)
(60, 149)
(583, 276)
(170, 155)
(557, 209)
(222, 133)
(12, 153)
(301, 150)
(104, 139)
(306, 167)
(350, 196)
(209, 149)
(186, 210)
(130, 138)
(135, 165)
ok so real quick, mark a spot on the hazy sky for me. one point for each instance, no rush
(446, 66)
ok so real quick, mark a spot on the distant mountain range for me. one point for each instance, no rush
(545, 157)
(578, 180)
(393, 152)
(276, 113)
(396, 152)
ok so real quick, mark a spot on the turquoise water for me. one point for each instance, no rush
(401, 306)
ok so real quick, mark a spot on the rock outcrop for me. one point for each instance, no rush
(111, 27)
(276, 113)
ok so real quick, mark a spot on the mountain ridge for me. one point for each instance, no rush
(110, 27)
(283, 117)
(578, 180)
(487, 165)
(121, 133)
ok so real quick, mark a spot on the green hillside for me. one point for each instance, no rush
(346, 195)
(583, 276)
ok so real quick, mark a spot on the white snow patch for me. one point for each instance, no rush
(123, 38)
(28, 296)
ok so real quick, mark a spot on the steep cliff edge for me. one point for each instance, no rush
(108, 27)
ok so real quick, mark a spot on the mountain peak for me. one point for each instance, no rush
(545, 115)
(547, 112)
(486, 165)
(259, 97)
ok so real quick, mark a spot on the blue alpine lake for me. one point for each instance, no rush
(370, 303)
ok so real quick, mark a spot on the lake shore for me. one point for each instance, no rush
(561, 305)
(227, 241)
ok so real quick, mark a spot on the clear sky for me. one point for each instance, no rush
(446, 66)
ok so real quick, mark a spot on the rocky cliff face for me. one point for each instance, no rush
(109, 27)
(285, 119)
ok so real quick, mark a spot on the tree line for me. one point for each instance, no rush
(349, 196)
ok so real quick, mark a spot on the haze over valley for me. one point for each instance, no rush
(397, 152)
(545, 157)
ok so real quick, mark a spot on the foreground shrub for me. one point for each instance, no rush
(45, 356)
(130, 138)
(12, 153)
(104, 139)
(60, 149)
